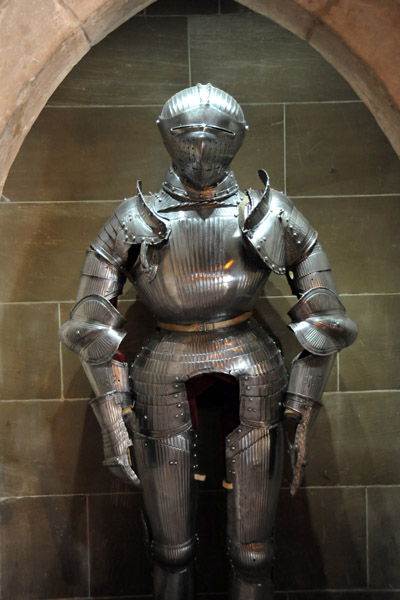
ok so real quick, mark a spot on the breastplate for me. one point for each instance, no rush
(204, 272)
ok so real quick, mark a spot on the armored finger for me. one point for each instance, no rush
(116, 441)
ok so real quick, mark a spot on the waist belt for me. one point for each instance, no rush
(205, 326)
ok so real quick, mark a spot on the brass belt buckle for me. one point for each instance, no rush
(206, 326)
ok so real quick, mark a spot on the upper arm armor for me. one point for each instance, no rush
(94, 329)
(99, 277)
(313, 271)
(277, 231)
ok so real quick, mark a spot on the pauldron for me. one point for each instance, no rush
(276, 230)
(133, 223)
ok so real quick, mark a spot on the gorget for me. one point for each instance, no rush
(183, 190)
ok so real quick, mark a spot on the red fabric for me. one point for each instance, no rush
(227, 387)
(119, 356)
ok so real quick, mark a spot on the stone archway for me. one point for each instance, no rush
(43, 40)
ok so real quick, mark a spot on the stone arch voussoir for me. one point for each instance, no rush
(42, 40)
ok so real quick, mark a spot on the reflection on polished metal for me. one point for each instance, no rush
(199, 253)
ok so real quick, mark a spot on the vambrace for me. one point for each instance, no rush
(94, 332)
(100, 277)
(321, 326)
(308, 377)
(112, 376)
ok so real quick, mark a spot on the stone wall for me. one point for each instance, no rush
(43, 39)
(68, 529)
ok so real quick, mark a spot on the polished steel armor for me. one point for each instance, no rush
(199, 253)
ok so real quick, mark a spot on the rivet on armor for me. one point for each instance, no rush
(176, 385)
(248, 387)
(176, 416)
(176, 395)
(228, 440)
(233, 460)
(233, 447)
(145, 417)
(180, 404)
(240, 430)
(175, 462)
(171, 462)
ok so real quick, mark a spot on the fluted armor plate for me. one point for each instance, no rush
(199, 252)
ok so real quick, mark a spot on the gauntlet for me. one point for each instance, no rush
(108, 410)
(308, 377)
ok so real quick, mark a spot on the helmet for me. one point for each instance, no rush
(202, 128)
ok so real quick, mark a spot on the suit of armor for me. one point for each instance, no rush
(198, 253)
